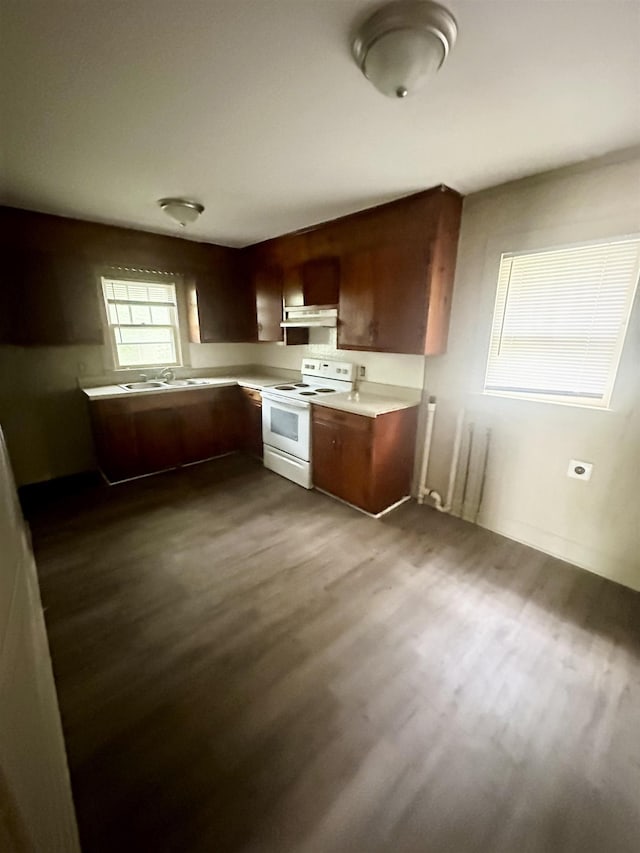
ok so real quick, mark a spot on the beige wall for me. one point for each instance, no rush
(36, 809)
(528, 495)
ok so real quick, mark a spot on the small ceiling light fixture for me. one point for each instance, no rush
(403, 44)
(184, 211)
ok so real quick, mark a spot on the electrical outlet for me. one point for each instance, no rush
(363, 371)
(579, 470)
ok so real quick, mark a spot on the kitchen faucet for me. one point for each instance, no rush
(164, 373)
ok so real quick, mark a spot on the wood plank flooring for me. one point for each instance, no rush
(247, 667)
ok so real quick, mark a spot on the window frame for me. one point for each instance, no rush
(533, 247)
(141, 276)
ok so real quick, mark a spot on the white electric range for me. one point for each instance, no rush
(286, 416)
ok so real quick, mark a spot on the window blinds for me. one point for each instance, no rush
(560, 319)
(143, 320)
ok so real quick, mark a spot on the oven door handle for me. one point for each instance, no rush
(294, 404)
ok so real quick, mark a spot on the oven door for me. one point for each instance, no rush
(286, 425)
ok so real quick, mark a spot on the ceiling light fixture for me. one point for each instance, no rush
(184, 211)
(403, 44)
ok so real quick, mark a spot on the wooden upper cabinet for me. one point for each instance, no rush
(54, 300)
(389, 268)
(221, 308)
(268, 282)
(383, 299)
(272, 285)
(320, 281)
(395, 293)
(78, 284)
(357, 314)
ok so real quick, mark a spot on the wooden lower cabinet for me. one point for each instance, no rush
(115, 440)
(157, 439)
(251, 417)
(142, 434)
(365, 461)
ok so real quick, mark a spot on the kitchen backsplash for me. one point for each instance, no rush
(383, 368)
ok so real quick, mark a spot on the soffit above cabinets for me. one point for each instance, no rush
(258, 110)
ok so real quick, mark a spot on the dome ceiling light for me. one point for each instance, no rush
(403, 44)
(184, 211)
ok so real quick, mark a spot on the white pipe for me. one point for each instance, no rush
(453, 471)
(428, 435)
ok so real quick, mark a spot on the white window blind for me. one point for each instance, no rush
(560, 319)
(143, 322)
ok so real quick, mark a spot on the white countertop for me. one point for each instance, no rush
(106, 392)
(365, 403)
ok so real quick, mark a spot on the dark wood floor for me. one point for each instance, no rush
(246, 666)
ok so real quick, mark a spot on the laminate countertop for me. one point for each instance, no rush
(366, 403)
(369, 404)
(106, 392)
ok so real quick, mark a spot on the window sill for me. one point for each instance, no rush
(562, 401)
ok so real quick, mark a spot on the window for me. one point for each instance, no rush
(560, 319)
(143, 321)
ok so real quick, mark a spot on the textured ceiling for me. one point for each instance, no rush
(257, 109)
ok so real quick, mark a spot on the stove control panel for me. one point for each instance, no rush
(343, 370)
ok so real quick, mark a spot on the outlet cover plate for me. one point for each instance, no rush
(579, 470)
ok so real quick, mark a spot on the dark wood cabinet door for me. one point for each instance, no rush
(38, 308)
(53, 300)
(212, 309)
(384, 299)
(9, 279)
(321, 281)
(251, 422)
(79, 297)
(342, 455)
(325, 455)
(268, 289)
(367, 462)
(228, 420)
(196, 425)
(157, 439)
(115, 440)
(354, 446)
(356, 309)
(224, 310)
(401, 298)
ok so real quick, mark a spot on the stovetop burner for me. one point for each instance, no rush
(316, 379)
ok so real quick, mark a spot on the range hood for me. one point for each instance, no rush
(310, 316)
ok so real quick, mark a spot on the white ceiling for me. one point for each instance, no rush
(255, 107)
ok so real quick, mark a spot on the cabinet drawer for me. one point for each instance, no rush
(349, 420)
(252, 395)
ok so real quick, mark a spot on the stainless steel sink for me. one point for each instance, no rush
(156, 384)
(143, 386)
